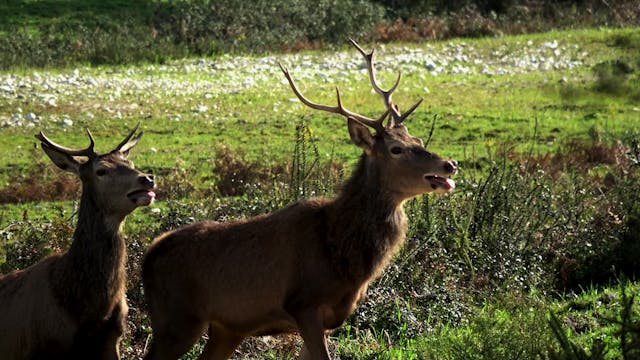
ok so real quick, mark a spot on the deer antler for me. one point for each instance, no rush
(126, 144)
(339, 109)
(396, 117)
(89, 152)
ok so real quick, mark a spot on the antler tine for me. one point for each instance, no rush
(340, 109)
(88, 151)
(386, 94)
(126, 139)
(400, 119)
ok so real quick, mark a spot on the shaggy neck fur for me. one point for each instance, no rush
(367, 225)
(90, 278)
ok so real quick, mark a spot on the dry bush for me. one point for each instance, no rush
(399, 29)
(432, 27)
(518, 17)
(175, 182)
(40, 185)
(235, 174)
(34, 188)
(470, 22)
(577, 155)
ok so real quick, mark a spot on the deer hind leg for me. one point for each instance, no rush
(314, 336)
(221, 344)
(174, 337)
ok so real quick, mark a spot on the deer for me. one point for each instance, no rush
(303, 268)
(72, 305)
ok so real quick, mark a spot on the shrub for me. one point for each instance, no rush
(236, 175)
(160, 30)
(25, 242)
(263, 25)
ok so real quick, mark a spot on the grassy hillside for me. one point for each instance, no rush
(541, 227)
(489, 95)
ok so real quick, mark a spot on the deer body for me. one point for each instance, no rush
(302, 268)
(261, 275)
(72, 305)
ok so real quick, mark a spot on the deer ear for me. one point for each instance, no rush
(360, 135)
(63, 161)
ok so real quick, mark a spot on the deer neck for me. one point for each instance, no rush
(91, 276)
(368, 225)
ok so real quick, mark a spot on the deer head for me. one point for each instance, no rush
(408, 169)
(110, 179)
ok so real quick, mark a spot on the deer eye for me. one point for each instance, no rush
(396, 150)
(101, 172)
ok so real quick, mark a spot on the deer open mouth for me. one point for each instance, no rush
(440, 183)
(142, 196)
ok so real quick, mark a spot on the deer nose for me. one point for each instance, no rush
(451, 166)
(146, 180)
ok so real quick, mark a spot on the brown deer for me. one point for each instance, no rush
(72, 305)
(302, 268)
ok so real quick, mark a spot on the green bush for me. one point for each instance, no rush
(25, 242)
(107, 32)
(263, 25)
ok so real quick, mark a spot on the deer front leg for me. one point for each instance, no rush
(304, 353)
(113, 331)
(313, 334)
(101, 341)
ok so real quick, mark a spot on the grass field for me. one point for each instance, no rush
(221, 135)
(192, 106)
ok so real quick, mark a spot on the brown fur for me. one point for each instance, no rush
(302, 268)
(72, 305)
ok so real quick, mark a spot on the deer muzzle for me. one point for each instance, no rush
(144, 195)
(441, 183)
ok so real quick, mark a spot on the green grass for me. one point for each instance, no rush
(481, 121)
(508, 327)
(477, 115)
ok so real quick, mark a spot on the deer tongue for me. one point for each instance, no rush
(441, 182)
(143, 194)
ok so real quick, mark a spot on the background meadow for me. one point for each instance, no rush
(534, 256)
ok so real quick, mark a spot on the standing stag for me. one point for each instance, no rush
(72, 305)
(302, 268)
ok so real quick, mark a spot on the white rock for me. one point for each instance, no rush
(7, 88)
(429, 65)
